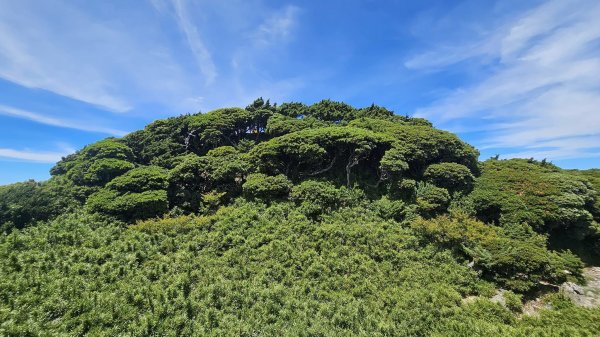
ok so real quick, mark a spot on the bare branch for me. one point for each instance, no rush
(324, 169)
(352, 161)
(191, 134)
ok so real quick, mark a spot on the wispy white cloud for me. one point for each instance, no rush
(277, 26)
(34, 156)
(160, 6)
(39, 118)
(195, 42)
(242, 39)
(542, 93)
(118, 62)
(449, 54)
(157, 53)
(33, 53)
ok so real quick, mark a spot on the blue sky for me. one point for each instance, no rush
(515, 78)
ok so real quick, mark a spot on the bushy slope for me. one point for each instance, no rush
(321, 220)
(555, 202)
(542, 195)
(251, 270)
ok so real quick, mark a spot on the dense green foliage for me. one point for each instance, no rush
(452, 176)
(252, 270)
(559, 203)
(25, 203)
(207, 158)
(266, 187)
(513, 257)
(542, 195)
(294, 220)
(138, 194)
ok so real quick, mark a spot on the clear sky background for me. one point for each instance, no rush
(515, 78)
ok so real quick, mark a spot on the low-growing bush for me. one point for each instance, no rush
(519, 264)
(317, 197)
(262, 186)
(451, 176)
(431, 200)
(130, 206)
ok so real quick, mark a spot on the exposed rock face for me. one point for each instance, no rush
(587, 295)
(570, 287)
(499, 297)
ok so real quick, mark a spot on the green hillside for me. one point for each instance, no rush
(296, 220)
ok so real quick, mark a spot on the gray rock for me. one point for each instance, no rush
(499, 297)
(587, 295)
(570, 287)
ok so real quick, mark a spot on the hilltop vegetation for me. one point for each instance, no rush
(321, 220)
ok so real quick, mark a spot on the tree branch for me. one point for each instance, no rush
(191, 134)
(352, 161)
(382, 176)
(324, 169)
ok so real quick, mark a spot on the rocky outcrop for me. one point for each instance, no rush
(587, 295)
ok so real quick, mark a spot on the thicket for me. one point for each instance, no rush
(195, 163)
(254, 270)
(558, 203)
(320, 220)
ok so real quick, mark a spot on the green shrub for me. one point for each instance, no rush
(102, 171)
(130, 206)
(431, 200)
(220, 170)
(373, 111)
(140, 179)
(514, 302)
(279, 125)
(262, 186)
(392, 209)
(451, 176)
(328, 110)
(422, 145)
(317, 197)
(514, 263)
(22, 204)
(96, 164)
(486, 310)
(516, 191)
(138, 194)
(393, 163)
(293, 109)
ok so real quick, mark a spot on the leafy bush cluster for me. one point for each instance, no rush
(25, 203)
(555, 202)
(515, 258)
(138, 194)
(513, 191)
(191, 163)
